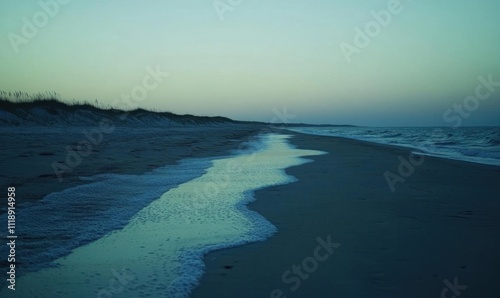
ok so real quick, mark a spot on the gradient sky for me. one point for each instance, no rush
(264, 55)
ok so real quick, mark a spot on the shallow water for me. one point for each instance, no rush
(159, 252)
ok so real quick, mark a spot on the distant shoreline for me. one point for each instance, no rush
(480, 145)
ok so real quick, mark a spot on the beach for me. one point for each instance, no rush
(151, 228)
(29, 152)
(251, 212)
(436, 235)
(123, 172)
(246, 149)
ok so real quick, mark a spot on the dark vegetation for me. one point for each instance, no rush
(21, 103)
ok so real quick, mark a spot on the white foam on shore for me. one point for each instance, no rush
(161, 249)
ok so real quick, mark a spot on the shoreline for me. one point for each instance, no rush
(121, 151)
(441, 223)
(182, 224)
(479, 158)
(122, 156)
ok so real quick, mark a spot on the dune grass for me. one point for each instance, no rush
(52, 102)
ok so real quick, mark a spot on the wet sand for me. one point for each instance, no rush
(28, 153)
(436, 235)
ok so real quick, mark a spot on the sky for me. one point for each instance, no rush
(374, 63)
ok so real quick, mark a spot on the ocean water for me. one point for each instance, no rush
(473, 144)
(158, 252)
(62, 221)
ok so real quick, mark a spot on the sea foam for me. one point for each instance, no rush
(159, 252)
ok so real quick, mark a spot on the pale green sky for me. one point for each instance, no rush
(264, 55)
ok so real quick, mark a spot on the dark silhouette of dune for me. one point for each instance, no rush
(48, 110)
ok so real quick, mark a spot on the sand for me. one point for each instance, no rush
(28, 152)
(436, 235)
